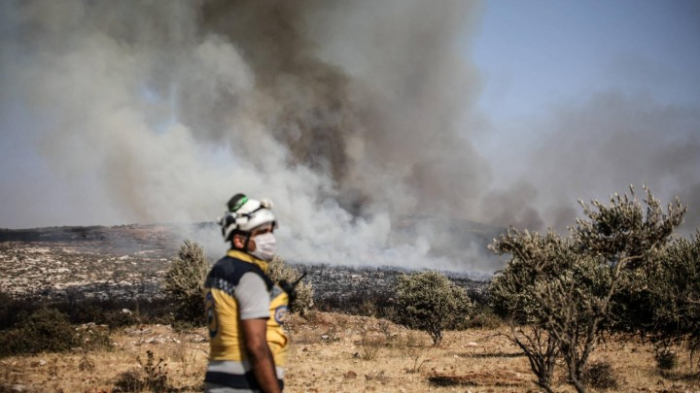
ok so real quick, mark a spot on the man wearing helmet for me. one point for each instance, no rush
(245, 309)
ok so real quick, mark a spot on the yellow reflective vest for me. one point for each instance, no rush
(228, 361)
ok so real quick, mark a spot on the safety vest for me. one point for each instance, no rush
(228, 361)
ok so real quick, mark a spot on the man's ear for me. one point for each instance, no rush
(238, 241)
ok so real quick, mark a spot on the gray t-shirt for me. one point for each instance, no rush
(253, 297)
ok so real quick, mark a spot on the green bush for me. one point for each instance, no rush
(429, 301)
(674, 287)
(12, 310)
(45, 329)
(184, 283)
(571, 289)
(303, 297)
(483, 317)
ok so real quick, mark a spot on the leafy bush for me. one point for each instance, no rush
(674, 291)
(45, 329)
(12, 310)
(567, 288)
(302, 299)
(483, 317)
(429, 301)
(184, 283)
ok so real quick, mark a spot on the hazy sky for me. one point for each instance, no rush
(357, 114)
(543, 61)
(533, 54)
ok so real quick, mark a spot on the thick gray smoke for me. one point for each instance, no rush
(355, 117)
(349, 116)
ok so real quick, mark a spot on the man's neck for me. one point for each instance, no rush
(244, 256)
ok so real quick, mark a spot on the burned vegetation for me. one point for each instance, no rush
(574, 309)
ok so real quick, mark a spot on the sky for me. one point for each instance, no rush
(350, 116)
(536, 54)
(541, 60)
(533, 54)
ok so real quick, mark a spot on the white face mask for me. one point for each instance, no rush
(265, 246)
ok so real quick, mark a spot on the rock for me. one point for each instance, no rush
(196, 338)
(156, 340)
(39, 363)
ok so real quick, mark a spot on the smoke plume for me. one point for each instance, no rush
(357, 119)
(349, 116)
(588, 147)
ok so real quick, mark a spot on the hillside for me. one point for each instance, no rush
(128, 262)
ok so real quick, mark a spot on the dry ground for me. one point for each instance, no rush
(338, 353)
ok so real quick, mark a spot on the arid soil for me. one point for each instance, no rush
(333, 352)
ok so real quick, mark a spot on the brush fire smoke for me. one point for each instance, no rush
(350, 116)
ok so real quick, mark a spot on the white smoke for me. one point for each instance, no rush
(159, 112)
(355, 118)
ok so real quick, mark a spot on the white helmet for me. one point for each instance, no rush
(245, 214)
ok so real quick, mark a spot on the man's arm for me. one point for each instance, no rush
(255, 335)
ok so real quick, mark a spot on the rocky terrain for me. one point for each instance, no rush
(128, 262)
(56, 263)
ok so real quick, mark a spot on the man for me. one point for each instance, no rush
(245, 309)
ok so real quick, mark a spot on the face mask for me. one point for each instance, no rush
(265, 246)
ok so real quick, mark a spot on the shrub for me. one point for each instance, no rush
(369, 346)
(151, 377)
(45, 329)
(599, 375)
(665, 358)
(429, 301)
(101, 312)
(12, 310)
(94, 337)
(301, 298)
(117, 312)
(129, 381)
(483, 317)
(381, 305)
(184, 283)
(565, 287)
(672, 289)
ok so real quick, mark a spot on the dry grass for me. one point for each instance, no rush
(340, 353)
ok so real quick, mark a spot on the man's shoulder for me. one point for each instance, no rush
(228, 267)
(231, 269)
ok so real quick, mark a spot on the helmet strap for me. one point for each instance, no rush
(245, 244)
(247, 241)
